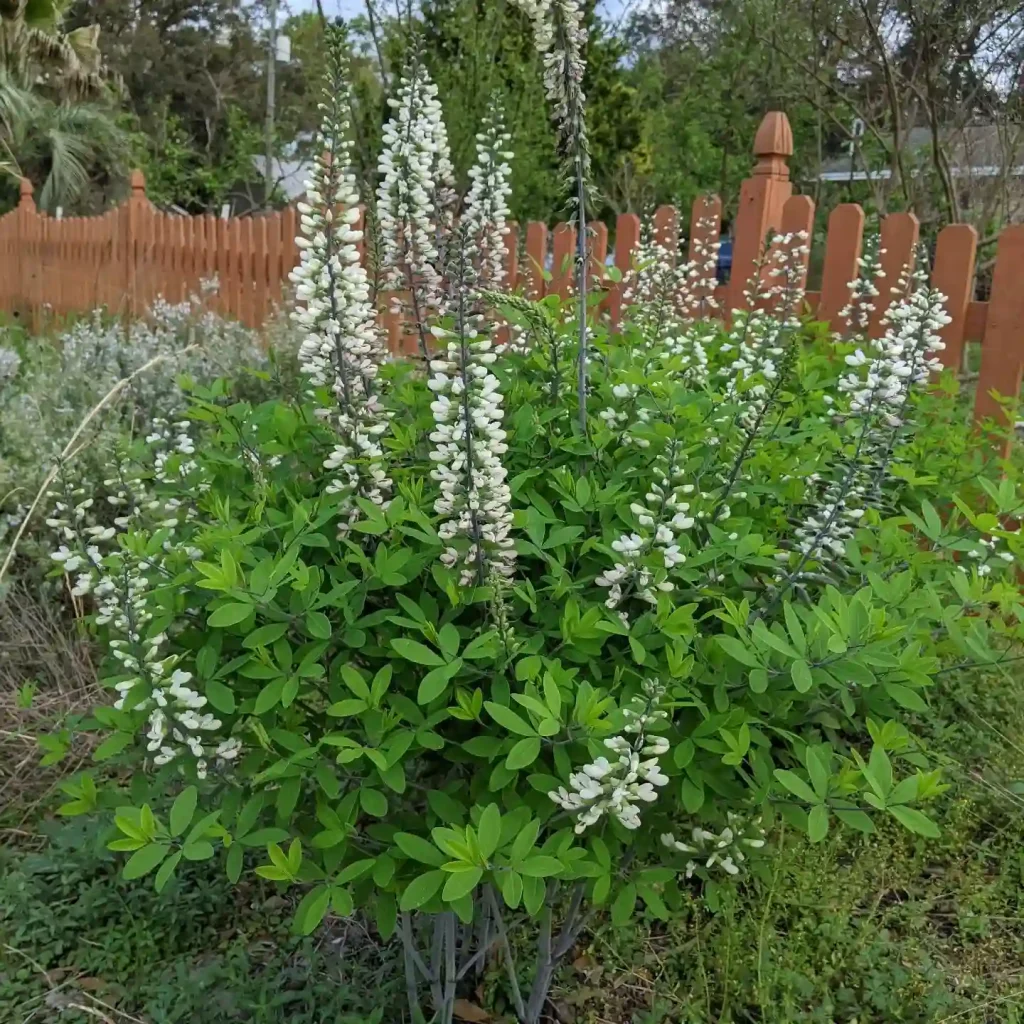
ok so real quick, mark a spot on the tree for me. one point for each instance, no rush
(76, 152)
(35, 51)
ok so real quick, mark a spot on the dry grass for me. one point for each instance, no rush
(46, 674)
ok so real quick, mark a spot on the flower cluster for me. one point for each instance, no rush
(560, 38)
(879, 388)
(728, 848)
(856, 314)
(413, 166)
(341, 348)
(662, 523)
(986, 556)
(487, 209)
(619, 786)
(469, 442)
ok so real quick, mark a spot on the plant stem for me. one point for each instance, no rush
(549, 957)
(408, 956)
(447, 1010)
(510, 966)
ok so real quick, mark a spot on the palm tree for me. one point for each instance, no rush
(36, 53)
(67, 146)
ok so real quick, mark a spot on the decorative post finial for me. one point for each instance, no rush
(138, 183)
(25, 191)
(773, 146)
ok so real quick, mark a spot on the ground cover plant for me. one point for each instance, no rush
(524, 634)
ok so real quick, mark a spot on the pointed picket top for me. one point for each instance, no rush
(25, 191)
(138, 183)
(773, 145)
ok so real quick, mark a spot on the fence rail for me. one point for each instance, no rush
(127, 257)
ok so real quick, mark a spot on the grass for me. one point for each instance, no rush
(854, 930)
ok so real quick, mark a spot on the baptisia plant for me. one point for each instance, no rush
(552, 673)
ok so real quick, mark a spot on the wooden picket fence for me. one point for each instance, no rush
(127, 257)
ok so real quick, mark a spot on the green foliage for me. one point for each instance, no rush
(378, 698)
(198, 952)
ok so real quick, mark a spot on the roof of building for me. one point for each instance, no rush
(975, 151)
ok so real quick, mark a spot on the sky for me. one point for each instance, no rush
(348, 8)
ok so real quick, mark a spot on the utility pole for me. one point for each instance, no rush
(268, 181)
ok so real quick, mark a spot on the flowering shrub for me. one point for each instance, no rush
(445, 648)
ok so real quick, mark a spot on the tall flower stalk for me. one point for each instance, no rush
(560, 37)
(880, 388)
(487, 209)
(415, 198)
(469, 440)
(341, 348)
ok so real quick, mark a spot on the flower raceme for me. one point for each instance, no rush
(469, 440)
(487, 210)
(341, 348)
(620, 786)
(413, 200)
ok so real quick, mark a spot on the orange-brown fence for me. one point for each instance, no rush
(125, 258)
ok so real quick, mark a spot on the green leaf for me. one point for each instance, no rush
(906, 697)
(311, 909)
(233, 865)
(373, 801)
(319, 626)
(220, 697)
(795, 785)
(540, 866)
(112, 745)
(511, 885)
(461, 883)
(270, 695)
(483, 646)
(422, 889)
(692, 796)
(737, 649)
(263, 636)
(801, 673)
(507, 718)
(419, 849)
(413, 650)
(624, 905)
(817, 823)
(228, 615)
(488, 830)
(523, 753)
(856, 819)
(909, 817)
(143, 861)
(163, 875)
(435, 682)
(795, 628)
(349, 706)
(182, 810)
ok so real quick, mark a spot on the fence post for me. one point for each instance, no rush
(132, 215)
(24, 223)
(762, 197)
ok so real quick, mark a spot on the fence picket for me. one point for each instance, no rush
(563, 253)
(898, 238)
(953, 275)
(627, 238)
(536, 254)
(1002, 354)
